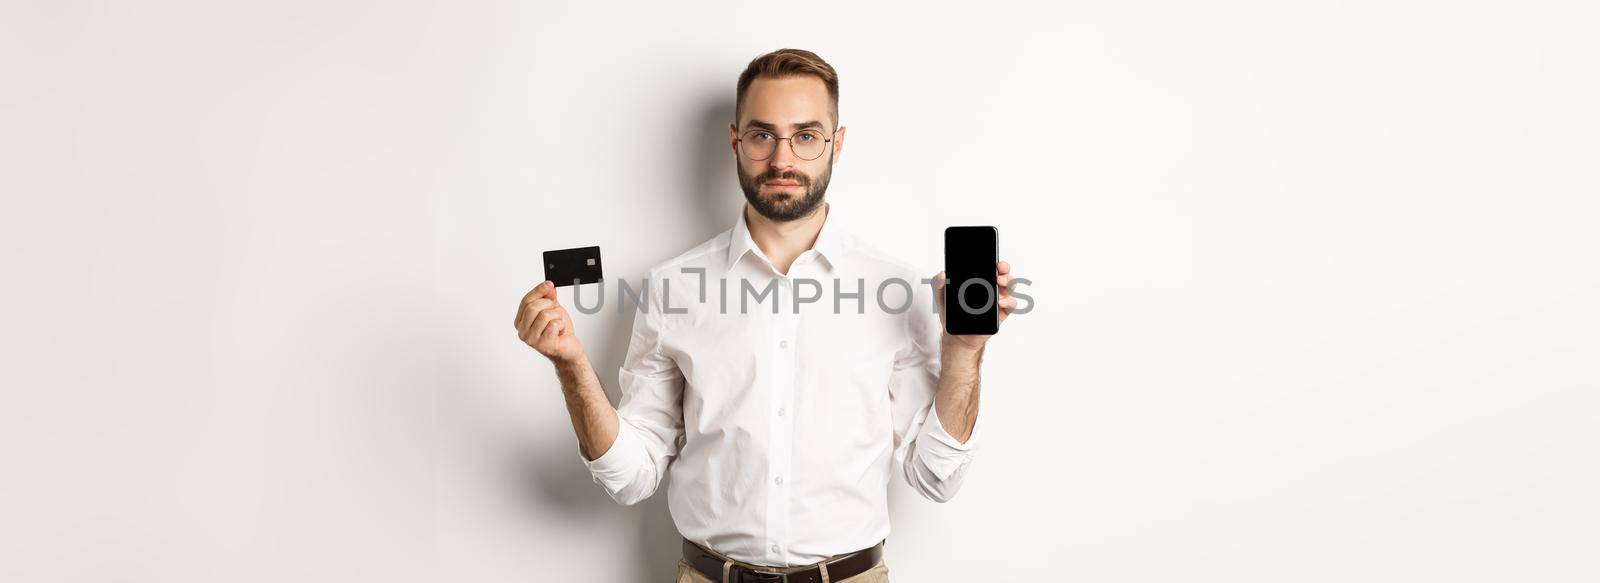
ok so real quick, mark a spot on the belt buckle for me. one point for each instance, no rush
(768, 576)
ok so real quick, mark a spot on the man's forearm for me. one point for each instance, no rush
(956, 402)
(593, 417)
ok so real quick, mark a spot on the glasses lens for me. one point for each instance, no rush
(808, 144)
(758, 144)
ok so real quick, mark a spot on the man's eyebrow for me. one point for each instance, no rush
(756, 123)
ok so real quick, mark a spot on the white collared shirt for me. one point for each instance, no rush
(781, 430)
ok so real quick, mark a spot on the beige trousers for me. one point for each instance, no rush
(878, 574)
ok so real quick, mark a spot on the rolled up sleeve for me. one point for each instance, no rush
(649, 416)
(934, 461)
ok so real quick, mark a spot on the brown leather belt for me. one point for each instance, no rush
(711, 564)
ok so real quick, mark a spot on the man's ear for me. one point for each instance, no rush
(838, 144)
(733, 138)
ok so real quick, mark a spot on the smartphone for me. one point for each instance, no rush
(971, 296)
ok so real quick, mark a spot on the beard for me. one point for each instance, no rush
(785, 206)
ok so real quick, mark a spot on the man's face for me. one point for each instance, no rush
(785, 187)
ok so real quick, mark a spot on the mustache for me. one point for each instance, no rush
(771, 175)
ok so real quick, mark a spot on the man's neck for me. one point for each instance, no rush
(783, 242)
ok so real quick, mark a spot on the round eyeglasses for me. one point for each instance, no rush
(807, 144)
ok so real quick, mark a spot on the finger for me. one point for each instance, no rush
(523, 315)
(531, 310)
(544, 319)
(530, 333)
(544, 290)
(538, 291)
(1008, 303)
(533, 293)
(938, 281)
(541, 322)
(552, 331)
(525, 333)
(1003, 281)
(529, 315)
(1003, 268)
(522, 308)
(525, 326)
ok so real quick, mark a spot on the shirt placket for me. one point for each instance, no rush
(781, 413)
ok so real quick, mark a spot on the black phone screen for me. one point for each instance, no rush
(971, 299)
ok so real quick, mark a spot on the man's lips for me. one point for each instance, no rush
(782, 183)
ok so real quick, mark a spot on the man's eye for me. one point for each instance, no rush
(807, 137)
(761, 136)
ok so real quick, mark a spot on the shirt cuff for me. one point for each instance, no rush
(942, 452)
(618, 465)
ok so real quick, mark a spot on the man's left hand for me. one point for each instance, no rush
(1007, 304)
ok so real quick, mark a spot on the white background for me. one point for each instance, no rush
(1315, 285)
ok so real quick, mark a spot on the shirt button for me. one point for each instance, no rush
(782, 410)
(778, 480)
(774, 547)
(783, 344)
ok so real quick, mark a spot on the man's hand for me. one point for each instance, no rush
(543, 324)
(1007, 303)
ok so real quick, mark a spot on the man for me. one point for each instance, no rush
(780, 427)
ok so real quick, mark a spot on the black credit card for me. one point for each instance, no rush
(572, 266)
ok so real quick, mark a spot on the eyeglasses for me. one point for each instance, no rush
(761, 144)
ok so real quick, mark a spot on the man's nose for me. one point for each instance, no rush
(783, 158)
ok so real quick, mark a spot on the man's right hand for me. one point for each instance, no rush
(543, 324)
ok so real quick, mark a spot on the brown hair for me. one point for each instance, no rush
(788, 63)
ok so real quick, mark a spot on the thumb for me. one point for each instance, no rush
(547, 289)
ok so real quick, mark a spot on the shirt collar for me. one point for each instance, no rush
(829, 243)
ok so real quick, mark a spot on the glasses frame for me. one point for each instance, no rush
(826, 140)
